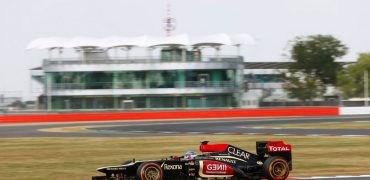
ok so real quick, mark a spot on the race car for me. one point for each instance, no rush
(217, 161)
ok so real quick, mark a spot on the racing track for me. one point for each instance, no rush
(185, 127)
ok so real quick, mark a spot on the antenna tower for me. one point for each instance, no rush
(169, 21)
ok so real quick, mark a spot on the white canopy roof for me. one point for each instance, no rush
(47, 43)
(140, 41)
(181, 40)
(117, 41)
(82, 42)
(212, 40)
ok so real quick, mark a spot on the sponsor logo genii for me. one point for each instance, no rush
(216, 168)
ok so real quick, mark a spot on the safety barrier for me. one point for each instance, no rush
(163, 115)
(354, 110)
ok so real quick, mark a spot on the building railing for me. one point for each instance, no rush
(137, 59)
(144, 85)
(265, 85)
(205, 84)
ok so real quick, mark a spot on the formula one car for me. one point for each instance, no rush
(217, 161)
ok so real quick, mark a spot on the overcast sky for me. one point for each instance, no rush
(272, 22)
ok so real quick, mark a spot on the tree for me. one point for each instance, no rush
(316, 54)
(17, 104)
(304, 87)
(351, 79)
(314, 66)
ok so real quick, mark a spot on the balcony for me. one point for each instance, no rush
(143, 85)
(141, 64)
(141, 60)
(141, 88)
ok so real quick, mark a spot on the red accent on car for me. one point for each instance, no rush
(217, 168)
(278, 146)
(213, 147)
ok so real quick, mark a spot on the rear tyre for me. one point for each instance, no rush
(276, 168)
(149, 171)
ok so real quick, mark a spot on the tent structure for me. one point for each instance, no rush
(140, 41)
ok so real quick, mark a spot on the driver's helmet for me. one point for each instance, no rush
(190, 155)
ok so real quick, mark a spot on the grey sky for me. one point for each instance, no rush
(272, 22)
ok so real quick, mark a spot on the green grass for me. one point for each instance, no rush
(77, 158)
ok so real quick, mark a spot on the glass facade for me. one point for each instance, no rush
(143, 79)
(144, 102)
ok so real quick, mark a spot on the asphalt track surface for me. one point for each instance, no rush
(186, 127)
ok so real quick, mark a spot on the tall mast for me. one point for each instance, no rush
(169, 21)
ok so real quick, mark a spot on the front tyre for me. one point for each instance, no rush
(149, 171)
(276, 168)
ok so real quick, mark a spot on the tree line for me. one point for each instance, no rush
(315, 68)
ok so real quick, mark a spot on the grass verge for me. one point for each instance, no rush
(77, 158)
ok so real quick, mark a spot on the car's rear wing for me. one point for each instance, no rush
(266, 149)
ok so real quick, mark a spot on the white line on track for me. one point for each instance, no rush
(194, 132)
(169, 132)
(332, 177)
(221, 133)
(253, 133)
(316, 134)
(281, 134)
(353, 135)
(140, 131)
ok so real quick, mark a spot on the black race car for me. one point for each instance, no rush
(217, 161)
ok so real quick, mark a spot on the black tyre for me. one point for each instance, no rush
(276, 168)
(149, 171)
